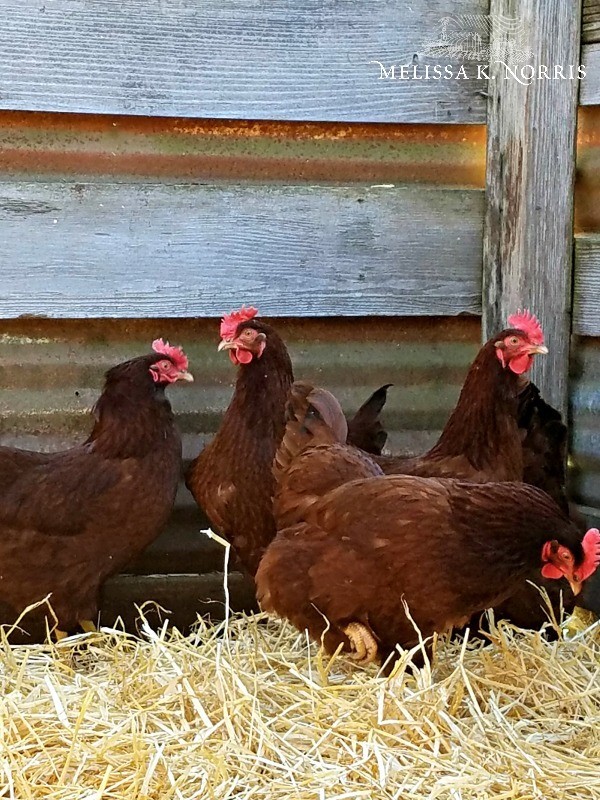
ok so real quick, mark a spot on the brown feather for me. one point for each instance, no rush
(365, 429)
(501, 430)
(312, 458)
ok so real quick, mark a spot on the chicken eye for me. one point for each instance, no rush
(513, 340)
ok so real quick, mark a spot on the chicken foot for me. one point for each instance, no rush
(87, 626)
(363, 642)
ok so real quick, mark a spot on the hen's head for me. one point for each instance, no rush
(520, 342)
(242, 335)
(165, 365)
(169, 365)
(559, 561)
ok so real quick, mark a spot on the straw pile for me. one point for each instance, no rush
(249, 709)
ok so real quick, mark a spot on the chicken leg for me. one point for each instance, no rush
(363, 642)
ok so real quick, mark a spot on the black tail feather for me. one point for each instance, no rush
(544, 445)
(365, 429)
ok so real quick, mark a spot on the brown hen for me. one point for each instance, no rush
(69, 520)
(502, 430)
(232, 479)
(347, 559)
(481, 440)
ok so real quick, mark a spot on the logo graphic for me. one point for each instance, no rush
(467, 37)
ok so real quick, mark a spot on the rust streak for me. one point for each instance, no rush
(245, 128)
(587, 185)
(395, 330)
(45, 144)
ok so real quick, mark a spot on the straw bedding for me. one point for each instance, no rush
(250, 709)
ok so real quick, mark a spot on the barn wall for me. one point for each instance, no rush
(159, 166)
(584, 457)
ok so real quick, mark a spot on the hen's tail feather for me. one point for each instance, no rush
(544, 445)
(313, 417)
(365, 429)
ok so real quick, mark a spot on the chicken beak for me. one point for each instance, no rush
(540, 350)
(185, 376)
(224, 344)
(575, 587)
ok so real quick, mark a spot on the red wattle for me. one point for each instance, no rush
(550, 571)
(241, 356)
(521, 364)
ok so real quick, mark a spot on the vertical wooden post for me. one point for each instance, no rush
(528, 237)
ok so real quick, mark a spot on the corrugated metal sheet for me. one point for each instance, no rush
(51, 373)
(112, 146)
(587, 187)
(585, 409)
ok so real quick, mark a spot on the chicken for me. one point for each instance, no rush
(544, 446)
(481, 440)
(69, 520)
(231, 479)
(308, 421)
(347, 563)
(502, 430)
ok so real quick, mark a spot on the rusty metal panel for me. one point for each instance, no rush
(51, 373)
(585, 409)
(41, 144)
(587, 186)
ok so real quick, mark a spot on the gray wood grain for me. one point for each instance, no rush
(586, 290)
(528, 240)
(590, 53)
(591, 21)
(590, 85)
(249, 59)
(127, 250)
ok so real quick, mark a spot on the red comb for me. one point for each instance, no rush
(176, 354)
(230, 322)
(591, 550)
(528, 323)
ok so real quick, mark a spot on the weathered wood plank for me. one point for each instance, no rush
(263, 59)
(182, 597)
(586, 290)
(590, 85)
(121, 250)
(590, 54)
(591, 21)
(528, 238)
